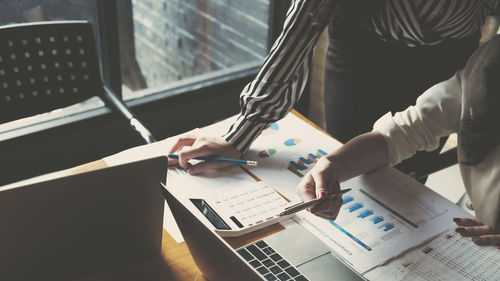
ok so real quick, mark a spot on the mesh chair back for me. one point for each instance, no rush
(45, 66)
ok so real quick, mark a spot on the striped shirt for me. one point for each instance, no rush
(283, 76)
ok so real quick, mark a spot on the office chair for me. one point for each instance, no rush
(439, 162)
(50, 65)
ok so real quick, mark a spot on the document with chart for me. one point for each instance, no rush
(286, 151)
(447, 257)
(240, 204)
(385, 214)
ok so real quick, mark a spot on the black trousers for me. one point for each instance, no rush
(366, 78)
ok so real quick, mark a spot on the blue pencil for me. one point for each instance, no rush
(216, 159)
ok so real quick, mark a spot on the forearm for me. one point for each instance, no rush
(283, 75)
(360, 155)
(490, 28)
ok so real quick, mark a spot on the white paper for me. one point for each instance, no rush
(159, 148)
(448, 257)
(250, 204)
(385, 214)
(288, 140)
(206, 184)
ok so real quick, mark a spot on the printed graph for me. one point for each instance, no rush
(302, 163)
(292, 142)
(357, 210)
(273, 128)
(267, 153)
(177, 171)
(448, 257)
(357, 216)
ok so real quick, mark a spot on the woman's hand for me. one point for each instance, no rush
(191, 147)
(478, 232)
(322, 182)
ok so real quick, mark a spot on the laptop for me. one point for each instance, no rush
(70, 226)
(291, 254)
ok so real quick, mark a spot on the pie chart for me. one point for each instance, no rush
(273, 128)
(267, 153)
(292, 142)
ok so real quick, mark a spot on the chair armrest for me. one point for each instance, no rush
(442, 161)
(117, 105)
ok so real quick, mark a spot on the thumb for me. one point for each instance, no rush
(320, 185)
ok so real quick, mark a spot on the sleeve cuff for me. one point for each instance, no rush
(386, 126)
(243, 132)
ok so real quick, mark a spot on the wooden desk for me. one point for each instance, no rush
(174, 261)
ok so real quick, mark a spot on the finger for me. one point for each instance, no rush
(331, 202)
(325, 214)
(327, 204)
(183, 160)
(469, 231)
(466, 222)
(188, 153)
(328, 215)
(487, 240)
(306, 189)
(328, 208)
(320, 185)
(173, 162)
(207, 166)
(336, 187)
(199, 149)
(338, 204)
(325, 217)
(181, 142)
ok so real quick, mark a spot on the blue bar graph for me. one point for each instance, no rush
(365, 213)
(387, 226)
(305, 160)
(355, 207)
(347, 199)
(313, 156)
(351, 236)
(377, 219)
(298, 165)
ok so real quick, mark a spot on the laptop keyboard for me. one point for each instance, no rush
(269, 263)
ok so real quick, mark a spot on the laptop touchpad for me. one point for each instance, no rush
(309, 255)
(327, 268)
(296, 244)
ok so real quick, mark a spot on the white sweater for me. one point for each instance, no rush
(419, 127)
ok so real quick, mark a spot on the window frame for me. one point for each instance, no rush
(108, 50)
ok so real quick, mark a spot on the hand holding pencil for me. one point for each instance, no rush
(320, 186)
(304, 205)
(210, 150)
(218, 159)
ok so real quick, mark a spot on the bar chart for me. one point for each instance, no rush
(365, 221)
(303, 162)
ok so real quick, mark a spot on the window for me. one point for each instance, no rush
(162, 44)
(13, 12)
(167, 42)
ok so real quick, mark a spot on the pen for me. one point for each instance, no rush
(304, 205)
(216, 159)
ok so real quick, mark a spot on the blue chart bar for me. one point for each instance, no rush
(377, 219)
(389, 209)
(387, 226)
(347, 199)
(365, 213)
(355, 207)
(305, 160)
(313, 156)
(298, 165)
(351, 236)
(322, 152)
